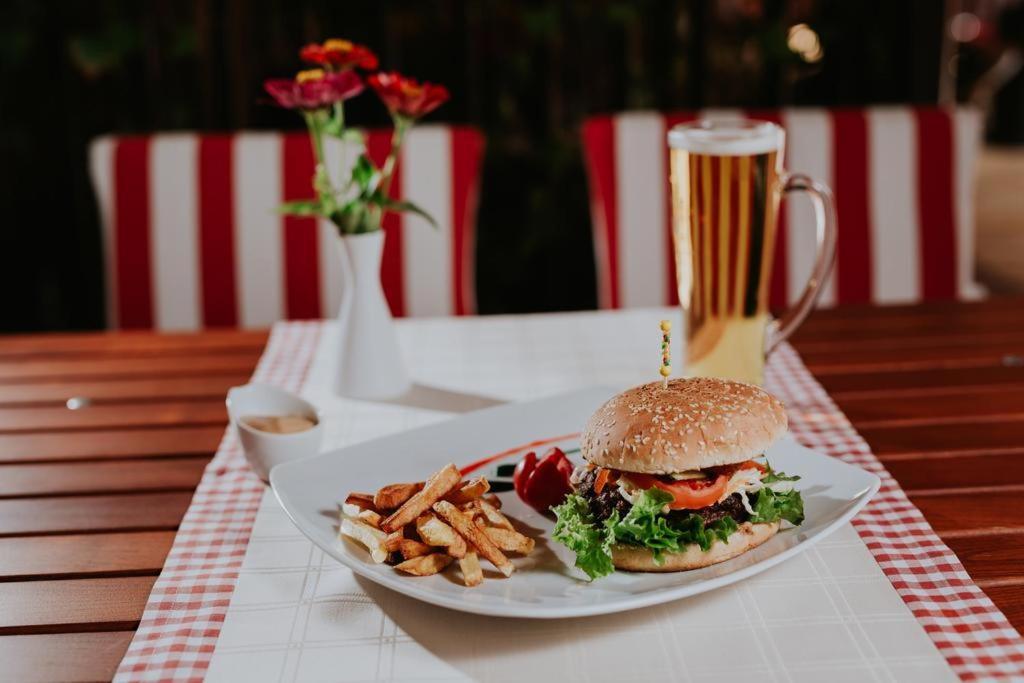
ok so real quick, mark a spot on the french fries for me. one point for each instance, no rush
(393, 495)
(494, 517)
(509, 541)
(356, 503)
(465, 526)
(472, 573)
(470, 491)
(393, 542)
(372, 538)
(422, 528)
(435, 532)
(439, 484)
(410, 548)
(369, 517)
(425, 565)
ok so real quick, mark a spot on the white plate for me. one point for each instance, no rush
(545, 585)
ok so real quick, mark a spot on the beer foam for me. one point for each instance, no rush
(731, 137)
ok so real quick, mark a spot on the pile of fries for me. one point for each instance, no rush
(422, 528)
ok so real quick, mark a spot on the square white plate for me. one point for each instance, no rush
(545, 585)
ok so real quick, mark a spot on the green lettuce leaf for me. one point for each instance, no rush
(771, 506)
(576, 530)
(644, 525)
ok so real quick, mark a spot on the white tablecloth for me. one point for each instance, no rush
(297, 615)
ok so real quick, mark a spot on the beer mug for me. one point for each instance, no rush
(727, 181)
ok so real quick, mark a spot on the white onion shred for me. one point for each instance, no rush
(624, 493)
(746, 501)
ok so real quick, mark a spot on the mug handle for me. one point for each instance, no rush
(825, 217)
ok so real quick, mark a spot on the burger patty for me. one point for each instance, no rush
(609, 500)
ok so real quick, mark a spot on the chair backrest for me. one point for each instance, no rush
(902, 177)
(193, 239)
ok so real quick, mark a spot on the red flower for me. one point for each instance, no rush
(405, 96)
(314, 89)
(339, 55)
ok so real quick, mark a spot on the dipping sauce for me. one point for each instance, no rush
(279, 424)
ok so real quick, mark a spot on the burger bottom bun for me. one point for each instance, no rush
(634, 559)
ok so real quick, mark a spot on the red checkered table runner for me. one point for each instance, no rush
(179, 629)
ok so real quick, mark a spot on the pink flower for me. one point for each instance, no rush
(407, 97)
(314, 89)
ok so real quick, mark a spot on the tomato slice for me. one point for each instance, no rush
(689, 494)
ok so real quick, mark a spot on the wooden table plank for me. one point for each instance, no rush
(126, 342)
(1010, 599)
(136, 512)
(995, 557)
(83, 555)
(929, 474)
(881, 342)
(61, 606)
(1003, 404)
(992, 354)
(961, 439)
(163, 414)
(164, 474)
(972, 514)
(992, 314)
(119, 391)
(127, 368)
(67, 657)
(922, 382)
(106, 444)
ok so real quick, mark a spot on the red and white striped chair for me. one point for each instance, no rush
(193, 240)
(902, 178)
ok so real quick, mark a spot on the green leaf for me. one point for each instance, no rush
(402, 207)
(354, 217)
(365, 175)
(771, 506)
(774, 476)
(302, 207)
(575, 529)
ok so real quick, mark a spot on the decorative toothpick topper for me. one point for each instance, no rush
(666, 352)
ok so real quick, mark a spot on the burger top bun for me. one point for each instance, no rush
(690, 425)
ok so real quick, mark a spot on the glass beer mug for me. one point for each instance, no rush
(727, 181)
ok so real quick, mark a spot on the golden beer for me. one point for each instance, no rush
(727, 181)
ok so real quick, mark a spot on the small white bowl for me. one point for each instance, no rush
(264, 450)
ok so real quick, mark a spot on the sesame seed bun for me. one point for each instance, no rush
(635, 559)
(690, 425)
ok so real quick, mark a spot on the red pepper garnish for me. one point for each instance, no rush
(544, 483)
(601, 479)
(522, 472)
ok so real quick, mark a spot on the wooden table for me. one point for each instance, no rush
(90, 498)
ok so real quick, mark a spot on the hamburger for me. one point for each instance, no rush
(675, 478)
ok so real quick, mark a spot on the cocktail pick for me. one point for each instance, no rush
(666, 352)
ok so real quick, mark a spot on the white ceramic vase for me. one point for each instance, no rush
(370, 363)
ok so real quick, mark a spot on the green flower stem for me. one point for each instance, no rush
(339, 116)
(397, 137)
(315, 122)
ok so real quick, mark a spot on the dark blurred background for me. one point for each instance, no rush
(527, 73)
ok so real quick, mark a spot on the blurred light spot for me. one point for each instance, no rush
(78, 402)
(964, 27)
(803, 40)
